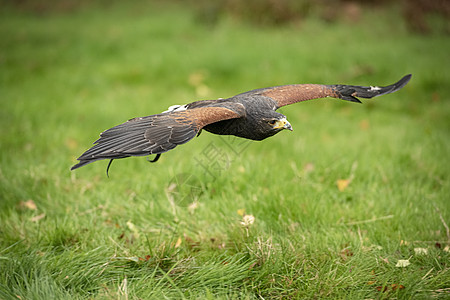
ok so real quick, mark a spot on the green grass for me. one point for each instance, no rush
(65, 77)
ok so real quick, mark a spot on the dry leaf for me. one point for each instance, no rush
(29, 204)
(190, 242)
(196, 78)
(421, 251)
(346, 253)
(171, 187)
(241, 212)
(192, 207)
(248, 220)
(386, 260)
(202, 90)
(447, 248)
(71, 143)
(308, 168)
(364, 124)
(146, 258)
(37, 218)
(402, 263)
(178, 243)
(133, 228)
(382, 288)
(342, 184)
(397, 286)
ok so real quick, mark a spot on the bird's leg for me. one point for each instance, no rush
(107, 168)
(155, 159)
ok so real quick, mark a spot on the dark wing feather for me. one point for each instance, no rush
(155, 134)
(289, 94)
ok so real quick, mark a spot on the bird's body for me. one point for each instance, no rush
(250, 115)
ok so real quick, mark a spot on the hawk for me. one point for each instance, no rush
(251, 115)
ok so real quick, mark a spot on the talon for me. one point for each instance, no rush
(155, 159)
(107, 168)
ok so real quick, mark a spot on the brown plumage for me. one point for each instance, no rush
(251, 115)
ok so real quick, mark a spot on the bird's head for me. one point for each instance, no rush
(278, 124)
(272, 123)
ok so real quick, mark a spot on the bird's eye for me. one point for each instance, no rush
(272, 122)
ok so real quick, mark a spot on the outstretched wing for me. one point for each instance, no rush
(289, 94)
(157, 133)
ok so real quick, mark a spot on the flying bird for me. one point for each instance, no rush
(251, 115)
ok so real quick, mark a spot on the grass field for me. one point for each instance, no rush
(354, 203)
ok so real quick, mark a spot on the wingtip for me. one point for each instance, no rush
(75, 167)
(402, 82)
(80, 164)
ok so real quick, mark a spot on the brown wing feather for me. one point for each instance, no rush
(289, 94)
(155, 134)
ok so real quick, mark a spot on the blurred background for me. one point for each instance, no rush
(421, 16)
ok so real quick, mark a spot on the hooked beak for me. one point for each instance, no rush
(283, 124)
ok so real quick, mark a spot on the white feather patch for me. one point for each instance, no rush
(175, 108)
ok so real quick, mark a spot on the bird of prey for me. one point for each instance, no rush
(251, 115)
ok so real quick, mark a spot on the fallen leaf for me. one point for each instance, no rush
(421, 251)
(171, 188)
(252, 265)
(37, 218)
(192, 207)
(71, 143)
(146, 258)
(382, 288)
(133, 228)
(397, 286)
(247, 220)
(364, 124)
(308, 167)
(178, 243)
(131, 258)
(402, 263)
(342, 184)
(29, 204)
(190, 242)
(447, 248)
(196, 78)
(202, 90)
(386, 260)
(346, 253)
(393, 287)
